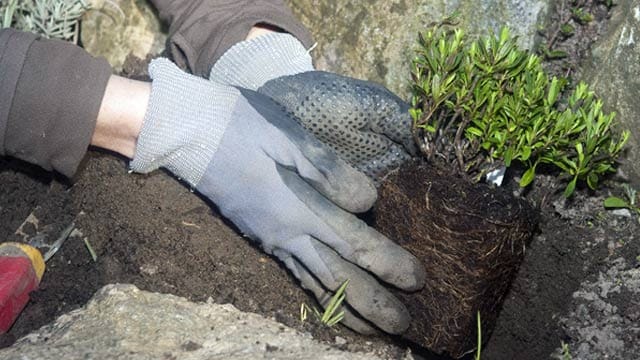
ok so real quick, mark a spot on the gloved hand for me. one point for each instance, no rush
(280, 186)
(363, 122)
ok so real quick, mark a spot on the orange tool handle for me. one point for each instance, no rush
(21, 268)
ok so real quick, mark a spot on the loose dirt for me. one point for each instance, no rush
(153, 232)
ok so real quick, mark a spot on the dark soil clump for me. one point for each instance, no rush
(471, 240)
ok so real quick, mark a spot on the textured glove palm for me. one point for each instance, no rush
(363, 122)
(280, 186)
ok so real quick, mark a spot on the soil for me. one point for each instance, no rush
(471, 239)
(153, 232)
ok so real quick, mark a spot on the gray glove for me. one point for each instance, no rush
(281, 187)
(363, 122)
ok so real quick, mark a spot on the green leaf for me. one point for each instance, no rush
(580, 151)
(554, 89)
(474, 131)
(504, 34)
(592, 181)
(528, 176)
(557, 54)
(567, 29)
(570, 187)
(615, 203)
(330, 317)
(526, 153)
(508, 156)
(415, 114)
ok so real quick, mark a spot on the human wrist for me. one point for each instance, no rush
(260, 30)
(183, 124)
(251, 63)
(121, 115)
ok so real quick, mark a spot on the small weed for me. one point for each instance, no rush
(330, 317)
(479, 346)
(630, 201)
(566, 352)
(572, 15)
(92, 252)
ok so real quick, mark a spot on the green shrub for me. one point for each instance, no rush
(50, 18)
(482, 104)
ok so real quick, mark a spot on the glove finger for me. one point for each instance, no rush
(308, 282)
(341, 183)
(320, 98)
(366, 247)
(377, 167)
(364, 294)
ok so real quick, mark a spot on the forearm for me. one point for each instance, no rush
(121, 115)
(123, 108)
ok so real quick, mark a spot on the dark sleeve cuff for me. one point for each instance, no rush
(56, 100)
(200, 31)
(13, 50)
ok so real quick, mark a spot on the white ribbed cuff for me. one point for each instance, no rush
(251, 63)
(184, 123)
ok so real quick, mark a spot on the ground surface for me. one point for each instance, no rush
(153, 232)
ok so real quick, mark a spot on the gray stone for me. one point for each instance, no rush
(621, 212)
(614, 73)
(123, 322)
(114, 29)
(367, 39)
(373, 39)
(596, 327)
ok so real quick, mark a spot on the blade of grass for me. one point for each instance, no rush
(479, 324)
(91, 251)
(334, 304)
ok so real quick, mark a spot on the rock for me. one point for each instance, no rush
(621, 212)
(603, 319)
(339, 340)
(614, 73)
(369, 39)
(114, 29)
(372, 39)
(123, 322)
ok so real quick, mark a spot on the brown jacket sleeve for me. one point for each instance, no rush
(50, 95)
(200, 31)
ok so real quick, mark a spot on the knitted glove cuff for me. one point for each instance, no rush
(184, 123)
(251, 63)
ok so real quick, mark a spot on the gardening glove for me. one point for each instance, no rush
(363, 122)
(280, 186)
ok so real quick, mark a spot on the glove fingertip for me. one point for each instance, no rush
(417, 278)
(406, 272)
(355, 192)
(395, 319)
(358, 325)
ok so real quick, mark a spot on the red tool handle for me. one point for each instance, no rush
(21, 268)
